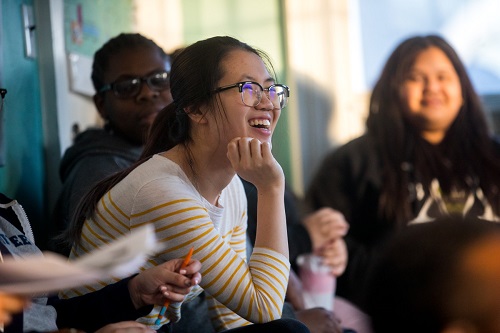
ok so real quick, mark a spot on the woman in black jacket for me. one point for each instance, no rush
(427, 152)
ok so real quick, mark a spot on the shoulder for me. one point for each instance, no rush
(362, 144)
(157, 180)
(99, 148)
(158, 168)
(361, 148)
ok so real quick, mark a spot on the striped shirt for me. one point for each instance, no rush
(159, 192)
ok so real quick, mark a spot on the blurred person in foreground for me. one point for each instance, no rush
(440, 277)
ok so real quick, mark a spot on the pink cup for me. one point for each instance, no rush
(318, 283)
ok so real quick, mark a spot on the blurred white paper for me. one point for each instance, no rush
(52, 272)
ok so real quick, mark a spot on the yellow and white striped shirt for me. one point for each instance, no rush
(159, 192)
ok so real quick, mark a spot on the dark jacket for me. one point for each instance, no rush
(96, 154)
(350, 180)
(298, 237)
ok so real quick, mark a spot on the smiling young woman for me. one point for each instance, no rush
(433, 94)
(186, 184)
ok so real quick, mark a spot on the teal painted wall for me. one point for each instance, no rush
(22, 176)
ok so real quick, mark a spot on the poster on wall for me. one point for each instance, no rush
(87, 26)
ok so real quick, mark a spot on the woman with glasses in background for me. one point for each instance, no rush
(130, 77)
(226, 104)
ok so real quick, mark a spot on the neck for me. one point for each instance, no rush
(208, 170)
(433, 137)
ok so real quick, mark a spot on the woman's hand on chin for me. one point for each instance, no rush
(253, 161)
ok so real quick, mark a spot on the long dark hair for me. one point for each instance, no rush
(194, 76)
(467, 145)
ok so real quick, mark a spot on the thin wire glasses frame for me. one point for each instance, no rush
(129, 88)
(251, 95)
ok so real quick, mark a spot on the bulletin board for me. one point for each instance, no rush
(87, 26)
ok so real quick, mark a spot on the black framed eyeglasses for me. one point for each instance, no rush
(129, 88)
(251, 93)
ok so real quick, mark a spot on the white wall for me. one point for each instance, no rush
(323, 63)
(161, 20)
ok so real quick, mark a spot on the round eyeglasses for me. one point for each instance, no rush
(129, 88)
(251, 93)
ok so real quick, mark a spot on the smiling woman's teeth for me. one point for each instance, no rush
(265, 123)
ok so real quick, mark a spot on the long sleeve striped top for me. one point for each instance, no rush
(159, 192)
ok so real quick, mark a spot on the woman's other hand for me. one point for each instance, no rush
(324, 226)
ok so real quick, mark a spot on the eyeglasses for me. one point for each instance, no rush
(251, 93)
(129, 88)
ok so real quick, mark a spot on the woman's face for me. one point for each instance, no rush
(246, 121)
(433, 94)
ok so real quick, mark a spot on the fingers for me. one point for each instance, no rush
(187, 277)
(183, 284)
(196, 279)
(324, 226)
(173, 294)
(177, 285)
(328, 217)
(177, 293)
(253, 161)
(193, 267)
(244, 150)
(335, 255)
(333, 220)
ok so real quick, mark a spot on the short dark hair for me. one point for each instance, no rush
(122, 42)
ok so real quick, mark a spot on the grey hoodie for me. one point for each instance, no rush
(96, 154)
(18, 240)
